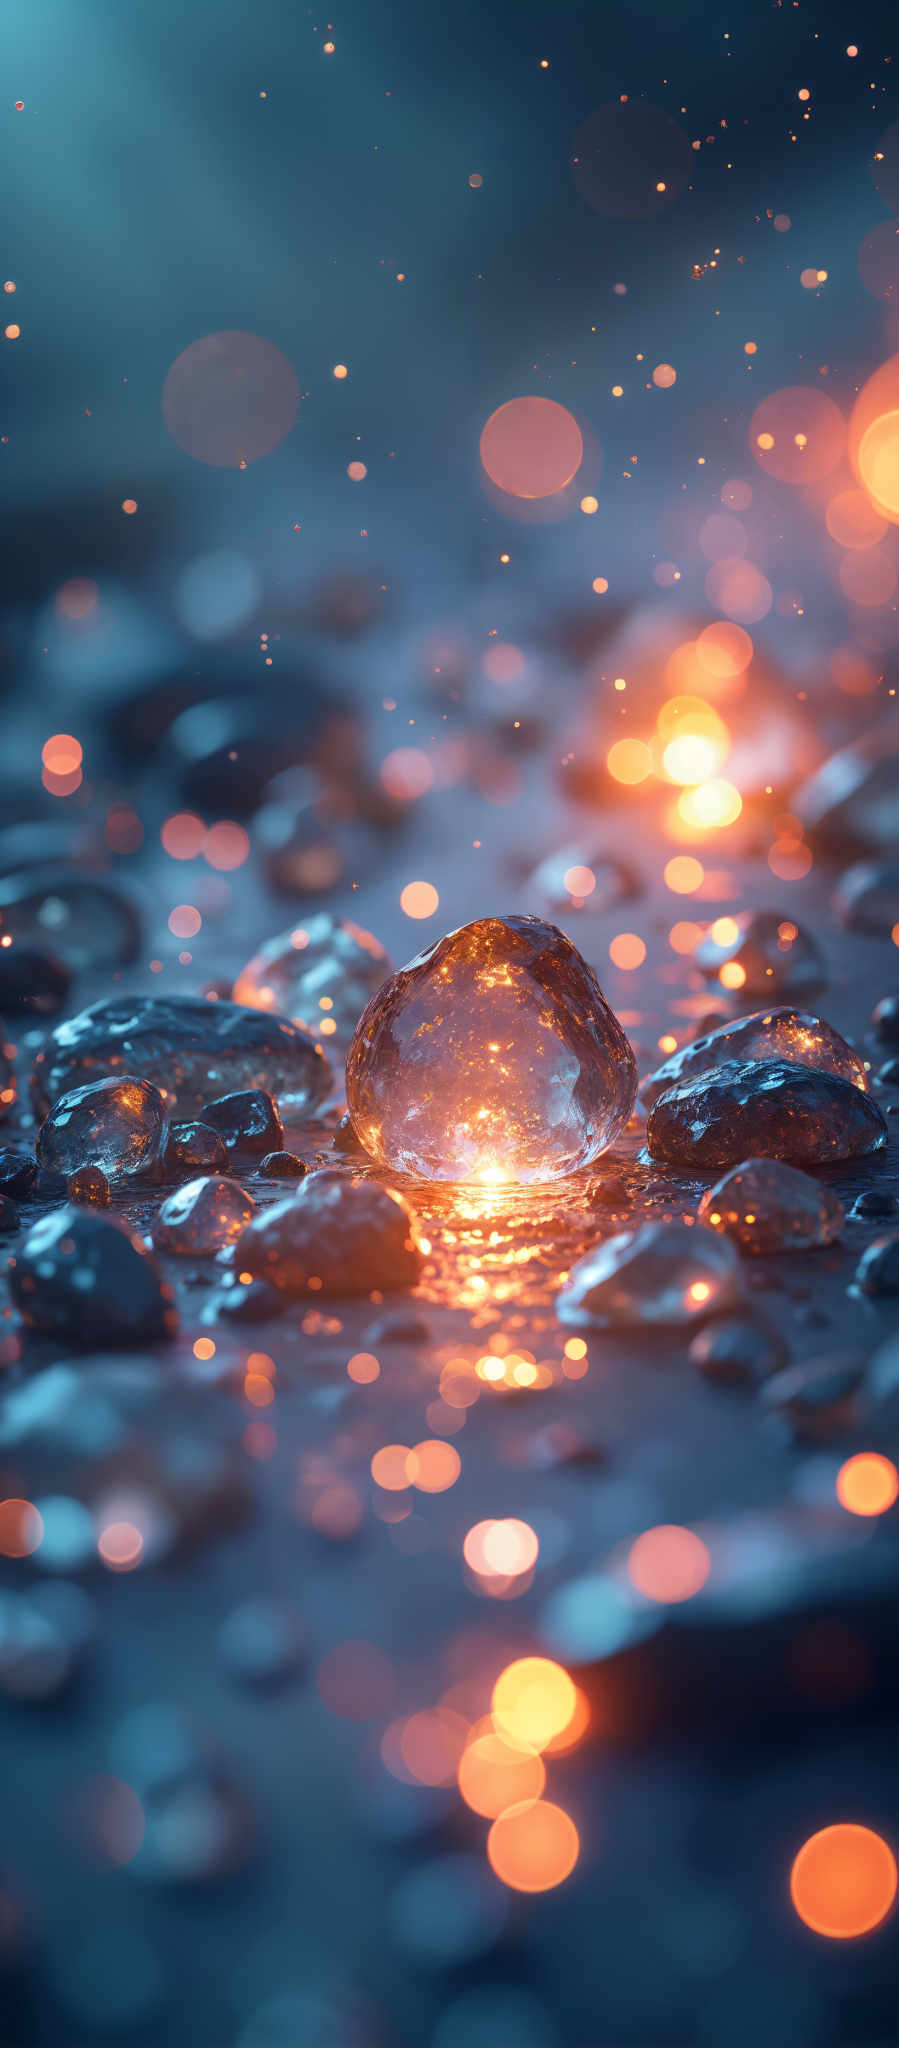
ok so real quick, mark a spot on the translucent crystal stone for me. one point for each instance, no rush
(738, 1350)
(203, 1216)
(767, 1109)
(90, 1280)
(493, 1057)
(116, 1125)
(193, 1050)
(878, 1268)
(776, 956)
(86, 922)
(780, 1034)
(193, 1147)
(666, 1273)
(90, 1187)
(336, 1235)
(321, 973)
(768, 1207)
(247, 1122)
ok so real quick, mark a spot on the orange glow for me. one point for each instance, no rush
(843, 1881)
(685, 873)
(867, 1484)
(431, 1745)
(389, 1468)
(874, 438)
(579, 881)
(531, 447)
(21, 1528)
(627, 951)
(226, 845)
(258, 1390)
(495, 1774)
(363, 1367)
(724, 650)
(576, 1729)
(204, 1348)
(533, 1700)
(419, 899)
(129, 505)
(503, 662)
(406, 774)
(589, 505)
(691, 758)
(664, 375)
(668, 1564)
(798, 434)
(868, 579)
(61, 754)
(534, 1846)
(502, 1549)
(357, 472)
(732, 975)
(121, 1546)
(629, 761)
(433, 1466)
(340, 371)
(182, 835)
(184, 921)
(737, 588)
(853, 521)
(684, 937)
(725, 931)
(711, 805)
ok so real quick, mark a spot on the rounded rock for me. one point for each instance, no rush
(877, 1271)
(337, 1235)
(247, 1122)
(89, 1279)
(321, 973)
(771, 1109)
(783, 1033)
(492, 1058)
(89, 1186)
(194, 1147)
(777, 956)
(664, 1273)
(118, 1125)
(282, 1166)
(203, 1216)
(738, 1351)
(768, 1207)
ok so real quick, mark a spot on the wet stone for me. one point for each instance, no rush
(877, 1271)
(321, 973)
(853, 799)
(203, 1216)
(819, 1399)
(871, 1204)
(885, 1021)
(282, 1166)
(777, 956)
(403, 1326)
(345, 1235)
(866, 897)
(118, 1125)
(252, 1302)
(665, 1273)
(261, 1643)
(768, 1207)
(192, 1148)
(89, 1186)
(769, 1109)
(247, 1122)
(738, 1351)
(345, 1140)
(888, 1075)
(192, 1050)
(87, 923)
(86, 1278)
(32, 981)
(18, 1174)
(9, 1217)
(493, 1057)
(783, 1033)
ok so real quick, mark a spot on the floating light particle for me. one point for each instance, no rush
(226, 845)
(531, 447)
(575, 1347)
(184, 921)
(533, 1700)
(589, 505)
(62, 754)
(803, 93)
(843, 1881)
(9, 285)
(617, 390)
(182, 835)
(629, 761)
(732, 975)
(357, 472)
(627, 951)
(419, 899)
(340, 371)
(711, 804)
(579, 881)
(664, 375)
(600, 585)
(21, 1528)
(389, 1468)
(683, 874)
(668, 1564)
(475, 180)
(684, 937)
(12, 332)
(204, 1348)
(533, 1846)
(867, 1484)
(121, 1546)
(363, 1367)
(433, 1466)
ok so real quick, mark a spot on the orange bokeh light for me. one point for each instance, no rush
(843, 1881)
(627, 951)
(533, 1700)
(853, 521)
(495, 1773)
(534, 1846)
(629, 760)
(867, 1484)
(531, 447)
(668, 1563)
(684, 874)
(21, 1528)
(798, 434)
(419, 899)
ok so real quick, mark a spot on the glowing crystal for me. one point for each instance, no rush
(768, 1207)
(779, 1034)
(117, 1125)
(321, 973)
(493, 1057)
(203, 1216)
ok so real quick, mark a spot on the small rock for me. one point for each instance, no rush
(117, 1125)
(402, 1327)
(737, 1350)
(32, 982)
(193, 1148)
(818, 1398)
(192, 1050)
(771, 1109)
(778, 1034)
(203, 1216)
(89, 1186)
(668, 1273)
(282, 1166)
(348, 1235)
(777, 956)
(89, 1279)
(885, 1021)
(767, 1207)
(18, 1174)
(346, 1141)
(888, 1074)
(321, 973)
(256, 1301)
(247, 1122)
(877, 1271)
(872, 1203)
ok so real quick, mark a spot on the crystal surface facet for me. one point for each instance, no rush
(768, 1207)
(767, 1109)
(493, 1057)
(117, 1125)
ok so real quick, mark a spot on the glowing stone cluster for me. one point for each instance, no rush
(493, 1057)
